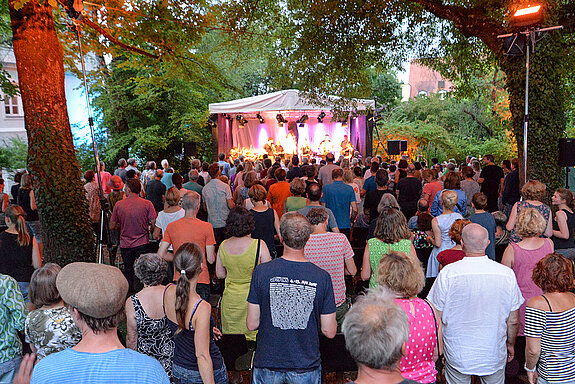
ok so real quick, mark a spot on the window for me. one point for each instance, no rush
(12, 106)
(441, 84)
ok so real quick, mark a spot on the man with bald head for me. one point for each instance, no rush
(477, 300)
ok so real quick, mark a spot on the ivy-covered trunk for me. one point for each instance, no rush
(52, 161)
(546, 109)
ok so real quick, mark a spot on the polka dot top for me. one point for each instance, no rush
(418, 364)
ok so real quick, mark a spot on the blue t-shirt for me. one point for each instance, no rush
(487, 221)
(292, 295)
(118, 366)
(369, 184)
(338, 196)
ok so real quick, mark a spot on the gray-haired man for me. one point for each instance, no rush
(376, 331)
(290, 301)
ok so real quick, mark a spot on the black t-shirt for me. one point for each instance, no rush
(409, 191)
(155, 189)
(491, 175)
(372, 199)
(15, 260)
(511, 193)
(294, 172)
(25, 202)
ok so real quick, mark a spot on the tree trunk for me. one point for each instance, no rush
(546, 110)
(52, 161)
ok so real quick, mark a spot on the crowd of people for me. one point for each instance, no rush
(466, 274)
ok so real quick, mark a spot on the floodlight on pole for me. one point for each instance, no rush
(527, 11)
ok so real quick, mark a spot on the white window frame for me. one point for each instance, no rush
(18, 105)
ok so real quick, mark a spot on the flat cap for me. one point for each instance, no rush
(96, 290)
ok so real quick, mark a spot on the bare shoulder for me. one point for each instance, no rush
(538, 302)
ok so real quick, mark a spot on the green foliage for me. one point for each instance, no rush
(13, 153)
(385, 88)
(449, 128)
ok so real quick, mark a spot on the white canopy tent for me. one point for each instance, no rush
(291, 104)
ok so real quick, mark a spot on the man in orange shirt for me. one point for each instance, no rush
(279, 192)
(191, 229)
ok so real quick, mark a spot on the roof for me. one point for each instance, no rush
(287, 100)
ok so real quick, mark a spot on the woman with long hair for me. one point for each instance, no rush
(564, 223)
(19, 253)
(391, 234)
(27, 200)
(197, 359)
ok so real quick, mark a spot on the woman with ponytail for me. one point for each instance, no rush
(19, 254)
(564, 223)
(197, 359)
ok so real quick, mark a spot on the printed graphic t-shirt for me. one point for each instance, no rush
(292, 296)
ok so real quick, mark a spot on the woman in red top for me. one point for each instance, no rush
(456, 253)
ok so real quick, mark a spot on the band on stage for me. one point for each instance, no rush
(290, 147)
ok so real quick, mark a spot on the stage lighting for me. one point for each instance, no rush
(280, 120)
(527, 17)
(241, 121)
(320, 117)
(260, 118)
(301, 121)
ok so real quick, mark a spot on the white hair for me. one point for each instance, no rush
(375, 330)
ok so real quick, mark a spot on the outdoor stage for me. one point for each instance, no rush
(244, 126)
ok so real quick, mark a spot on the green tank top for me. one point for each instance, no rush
(377, 249)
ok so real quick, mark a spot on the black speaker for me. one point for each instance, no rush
(393, 147)
(566, 152)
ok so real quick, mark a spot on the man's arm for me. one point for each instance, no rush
(353, 211)
(253, 318)
(512, 328)
(211, 253)
(163, 251)
(328, 325)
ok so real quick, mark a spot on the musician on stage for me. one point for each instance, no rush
(291, 144)
(325, 146)
(269, 147)
(346, 148)
(305, 148)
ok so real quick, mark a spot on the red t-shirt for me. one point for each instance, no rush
(277, 196)
(450, 256)
(191, 230)
(431, 189)
(134, 215)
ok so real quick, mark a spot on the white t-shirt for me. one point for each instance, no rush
(164, 219)
(476, 296)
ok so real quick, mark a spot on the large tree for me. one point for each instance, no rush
(326, 46)
(52, 160)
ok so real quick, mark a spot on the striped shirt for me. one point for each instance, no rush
(557, 333)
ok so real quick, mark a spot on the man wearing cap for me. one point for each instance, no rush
(134, 217)
(95, 294)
